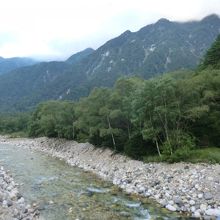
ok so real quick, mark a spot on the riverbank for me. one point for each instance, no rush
(12, 204)
(190, 188)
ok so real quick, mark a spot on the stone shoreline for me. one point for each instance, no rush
(12, 204)
(181, 187)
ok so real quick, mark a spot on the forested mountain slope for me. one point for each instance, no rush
(174, 116)
(157, 48)
(8, 64)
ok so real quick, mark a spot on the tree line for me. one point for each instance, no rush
(168, 116)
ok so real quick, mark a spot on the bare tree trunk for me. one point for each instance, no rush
(157, 145)
(158, 149)
(113, 139)
(166, 128)
(73, 131)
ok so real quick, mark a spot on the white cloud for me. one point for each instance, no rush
(61, 27)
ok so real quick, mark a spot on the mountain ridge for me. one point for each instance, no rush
(9, 64)
(154, 49)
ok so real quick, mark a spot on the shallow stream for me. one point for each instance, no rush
(63, 192)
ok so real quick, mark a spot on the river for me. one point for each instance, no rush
(63, 192)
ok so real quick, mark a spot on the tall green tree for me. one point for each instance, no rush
(212, 57)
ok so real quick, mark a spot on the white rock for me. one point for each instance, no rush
(193, 209)
(157, 196)
(197, 214)
(13, 194)
(197, 186)
(192, 202)
(203, 207)
(21, 200)
(170, 208)
(171, 202)
(167, 194)
(213, 212)
(51, 202)
(200, 196)
(141, 189)
(4, 203)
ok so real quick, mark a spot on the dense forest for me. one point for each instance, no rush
(169, 116)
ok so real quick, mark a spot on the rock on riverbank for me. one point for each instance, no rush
(12, 204)
(190, 188)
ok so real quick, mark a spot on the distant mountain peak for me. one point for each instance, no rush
(211, 17)
(9, 64)
(163, 21)
(128, 32)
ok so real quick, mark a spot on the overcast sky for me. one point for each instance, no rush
(55, 29)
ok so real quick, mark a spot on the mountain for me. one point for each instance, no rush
(8, 64)
(25, 87)
(155, 49)
(79, 56)
(161, 47)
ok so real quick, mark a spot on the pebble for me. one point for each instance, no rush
(21, 200)
(208, 196)
(197, 214)
(203, 207)
(192, 202)
(193, 209)
(171, 208)
(178, 201)
(200, 196)
(11, 199)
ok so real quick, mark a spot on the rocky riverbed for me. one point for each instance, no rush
(190, 188)
(12, 204)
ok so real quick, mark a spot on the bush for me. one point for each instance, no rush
(137, 148)
(178, 148)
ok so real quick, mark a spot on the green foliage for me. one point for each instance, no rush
(53, 119)
(182, 146)
(14, 123)
(9, 64)
(137, 148)
(165, 116)
(168, 118)
(205, 154)
(212, 57)
(200, 155)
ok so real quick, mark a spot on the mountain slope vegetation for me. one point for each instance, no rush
(9, 64)
(155, 49)
(212, 57)
(174, 116)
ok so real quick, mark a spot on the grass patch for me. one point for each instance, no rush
(205, 155)
(19, 134)
(201, 155)
(152, 158)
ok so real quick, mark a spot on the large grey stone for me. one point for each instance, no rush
(213, 212)
(208, 196)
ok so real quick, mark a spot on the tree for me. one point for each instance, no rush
(212, 57)
(53, 119)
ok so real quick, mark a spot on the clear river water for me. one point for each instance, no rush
(63, 192)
